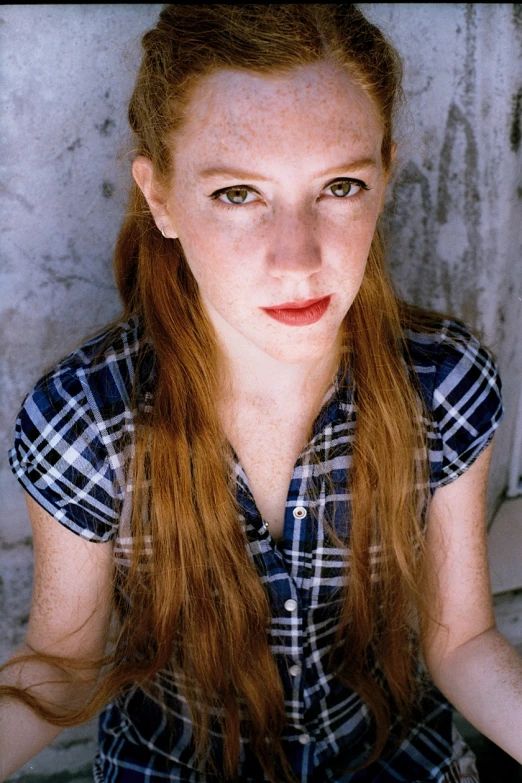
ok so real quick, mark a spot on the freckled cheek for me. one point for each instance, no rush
(348, 241)
(217, 262)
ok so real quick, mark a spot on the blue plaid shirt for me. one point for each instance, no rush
(70, 449)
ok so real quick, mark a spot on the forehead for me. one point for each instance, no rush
(309, 110)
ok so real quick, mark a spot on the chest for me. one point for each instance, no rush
(268, 446)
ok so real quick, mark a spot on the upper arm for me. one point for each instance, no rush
(457, 564)
(72, 587)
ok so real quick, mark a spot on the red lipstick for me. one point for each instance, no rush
(302, 313)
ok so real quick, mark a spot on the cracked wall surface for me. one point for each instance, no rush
(453, 214)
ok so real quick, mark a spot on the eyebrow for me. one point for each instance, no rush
(241, 174)
(231, 172)
(353, 165)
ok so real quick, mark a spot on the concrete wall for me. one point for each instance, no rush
(456, 206)
(454, 212)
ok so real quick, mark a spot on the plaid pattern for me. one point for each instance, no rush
(73, 439)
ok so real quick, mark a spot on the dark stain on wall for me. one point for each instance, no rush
(517, 16)
(471, 53)
(108, 189)
(65, 270)
(458, 204)
(451, 170)
(6, 546)
(105, 129)
(74, 145)
(409, 229)
(412, 175)
(515, 134)
(411, 198)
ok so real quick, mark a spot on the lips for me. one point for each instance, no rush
(303, 313)
(296, 305)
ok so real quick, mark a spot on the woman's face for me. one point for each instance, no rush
(277, 186)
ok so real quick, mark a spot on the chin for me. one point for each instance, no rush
(299, 353)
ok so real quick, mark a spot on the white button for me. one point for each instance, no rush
(290, 605)
(304, 739)
(299, 512)
(295, 670)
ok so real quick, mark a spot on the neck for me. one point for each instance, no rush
(255, 376)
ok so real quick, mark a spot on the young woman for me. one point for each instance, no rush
(271, 472)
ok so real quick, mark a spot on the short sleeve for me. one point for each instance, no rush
(467, 403)
(60, 458)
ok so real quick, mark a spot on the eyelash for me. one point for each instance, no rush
(230, 205)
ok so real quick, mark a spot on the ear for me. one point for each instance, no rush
(143, 173)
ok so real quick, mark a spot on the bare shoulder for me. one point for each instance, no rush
(71, 590)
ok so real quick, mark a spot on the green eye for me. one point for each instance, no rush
(236, 195)
(343, 188)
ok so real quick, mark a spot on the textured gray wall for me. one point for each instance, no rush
(456, 207)
(454, 212)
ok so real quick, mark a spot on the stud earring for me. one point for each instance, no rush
(163, 233)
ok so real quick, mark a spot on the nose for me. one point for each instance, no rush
(294, 250)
